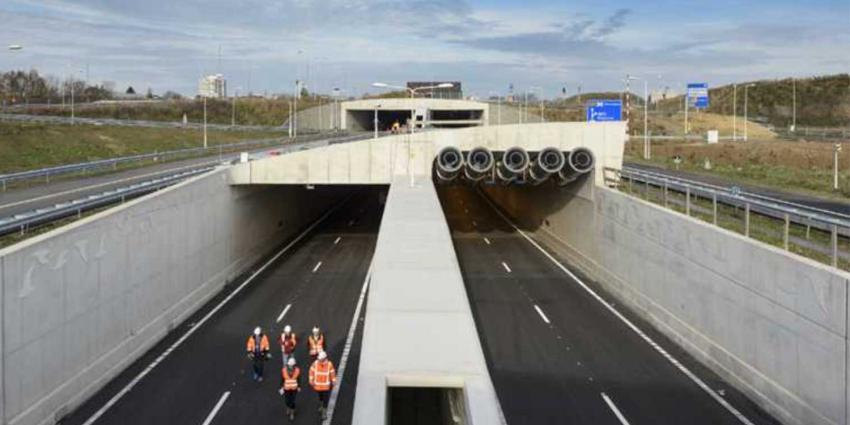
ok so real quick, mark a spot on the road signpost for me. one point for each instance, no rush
(604, 110)
(698, 95)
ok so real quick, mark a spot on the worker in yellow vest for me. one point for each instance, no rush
(322, 379)
(289, 386)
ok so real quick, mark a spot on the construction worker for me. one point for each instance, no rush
(287, 341)
(316, 341)
(322, 379)
(289, 386)
(258, 351)
(396, 127)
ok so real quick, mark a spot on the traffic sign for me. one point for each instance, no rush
(604, 110)
(698, 95)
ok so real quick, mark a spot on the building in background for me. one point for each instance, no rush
(214, 86)
(454, 92)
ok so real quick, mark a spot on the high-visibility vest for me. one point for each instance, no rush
(316, 344)
(290, 381)
(287, 344)
(322, 375)
(252, 344)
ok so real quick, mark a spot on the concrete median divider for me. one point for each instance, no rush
(771, 323)
(84, 301)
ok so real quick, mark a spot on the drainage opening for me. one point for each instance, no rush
(425, 406)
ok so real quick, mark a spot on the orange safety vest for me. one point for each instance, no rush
(290, 382)
(316, 345)
(252, 344)
(322, 375)
(287, 344)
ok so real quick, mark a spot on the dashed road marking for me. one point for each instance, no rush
(505, 265)
(338, 238)
(283, 313)
(217, 407)
(614, 409)
(542, 315)
(487, 241)
(319, 264)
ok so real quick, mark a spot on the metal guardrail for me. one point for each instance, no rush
(64, 120)
(831, 222)
(23, 222)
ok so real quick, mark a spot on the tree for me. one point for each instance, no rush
(149, 94)
(170, 95)
(130, 90)
(305, 92)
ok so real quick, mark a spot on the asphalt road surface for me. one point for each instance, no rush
(555, 353)
(317, 282)
(811, 201)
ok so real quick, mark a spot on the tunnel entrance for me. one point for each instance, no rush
(364, 120)
(425, 406)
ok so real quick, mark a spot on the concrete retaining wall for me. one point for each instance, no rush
(84, 301)
(771, 323)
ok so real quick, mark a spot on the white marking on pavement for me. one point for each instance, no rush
(505, 265)
(542, 315)
(338, 238)
(209, 315)
(487, 241)
(319, 264)
(474, 223)
(283, 313)
(687, 372)
(615, 409)
(346, 351)
(217, 407)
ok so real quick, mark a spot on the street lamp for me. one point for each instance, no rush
(735, 112)
(646, 152)
(746, 109)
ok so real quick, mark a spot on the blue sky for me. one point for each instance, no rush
(267, 44)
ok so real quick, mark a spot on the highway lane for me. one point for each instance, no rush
(556, 354)
(807, 200)
(317, 282)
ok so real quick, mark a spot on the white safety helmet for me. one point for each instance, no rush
(291, 362)
(257, 331)
(323, 355)
(287, 329)
(315, 330)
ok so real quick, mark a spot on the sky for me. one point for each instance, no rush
(488, 45)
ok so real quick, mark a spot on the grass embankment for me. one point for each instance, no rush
(804, 167)
(25, 146)
(249, 111)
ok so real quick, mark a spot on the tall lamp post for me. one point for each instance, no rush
(735, 112)
(13, 48)
(646, 150)
(746, 110)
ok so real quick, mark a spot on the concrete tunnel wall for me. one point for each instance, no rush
(771, 323)
(83, 302)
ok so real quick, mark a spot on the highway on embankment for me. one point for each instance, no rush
(199, 374)
(557, 354)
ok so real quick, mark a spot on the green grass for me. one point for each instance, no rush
(25, 146)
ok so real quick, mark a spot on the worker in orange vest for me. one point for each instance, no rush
(289, 386)
(258, 351)
(316, 341)
(322, 379)
(287, 341)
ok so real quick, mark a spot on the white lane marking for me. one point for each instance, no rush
(319, 264)
(283, 313)
(349, 341)
(111, 182)
(338, 238)
(687, 372)
(614, 409)
(474, 223)
(200, 323)
(542, 315)
(217, 407)
(505, 265)
(487, 241)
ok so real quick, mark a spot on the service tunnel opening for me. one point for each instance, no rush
(425, 405)
(364, 120)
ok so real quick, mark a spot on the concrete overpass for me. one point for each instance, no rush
(483, 297)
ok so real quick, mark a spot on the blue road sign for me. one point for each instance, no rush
(698, 95)
(604, 110)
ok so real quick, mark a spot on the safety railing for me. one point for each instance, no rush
(835, 224)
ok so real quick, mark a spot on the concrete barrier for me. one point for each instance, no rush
(84, 301)
(771, 323)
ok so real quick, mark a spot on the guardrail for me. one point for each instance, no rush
(64, 120)
(834, 223)
(23, 222)
(47, 173)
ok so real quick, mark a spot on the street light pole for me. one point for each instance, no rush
(746, 110)
(794, 114)
(735, 112)
(835, 151)
(205, 117)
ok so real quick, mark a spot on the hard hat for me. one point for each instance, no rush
(323, 355)
(291, 362)
(287, 329)
(315, 329)
(257, 331)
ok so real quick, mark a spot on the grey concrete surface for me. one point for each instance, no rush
(419, 329)
(84, 301)
(771, 323)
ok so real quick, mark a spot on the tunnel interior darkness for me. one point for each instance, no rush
(364, 120)
(425, 406)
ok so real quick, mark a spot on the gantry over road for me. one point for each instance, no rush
(504, 283)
